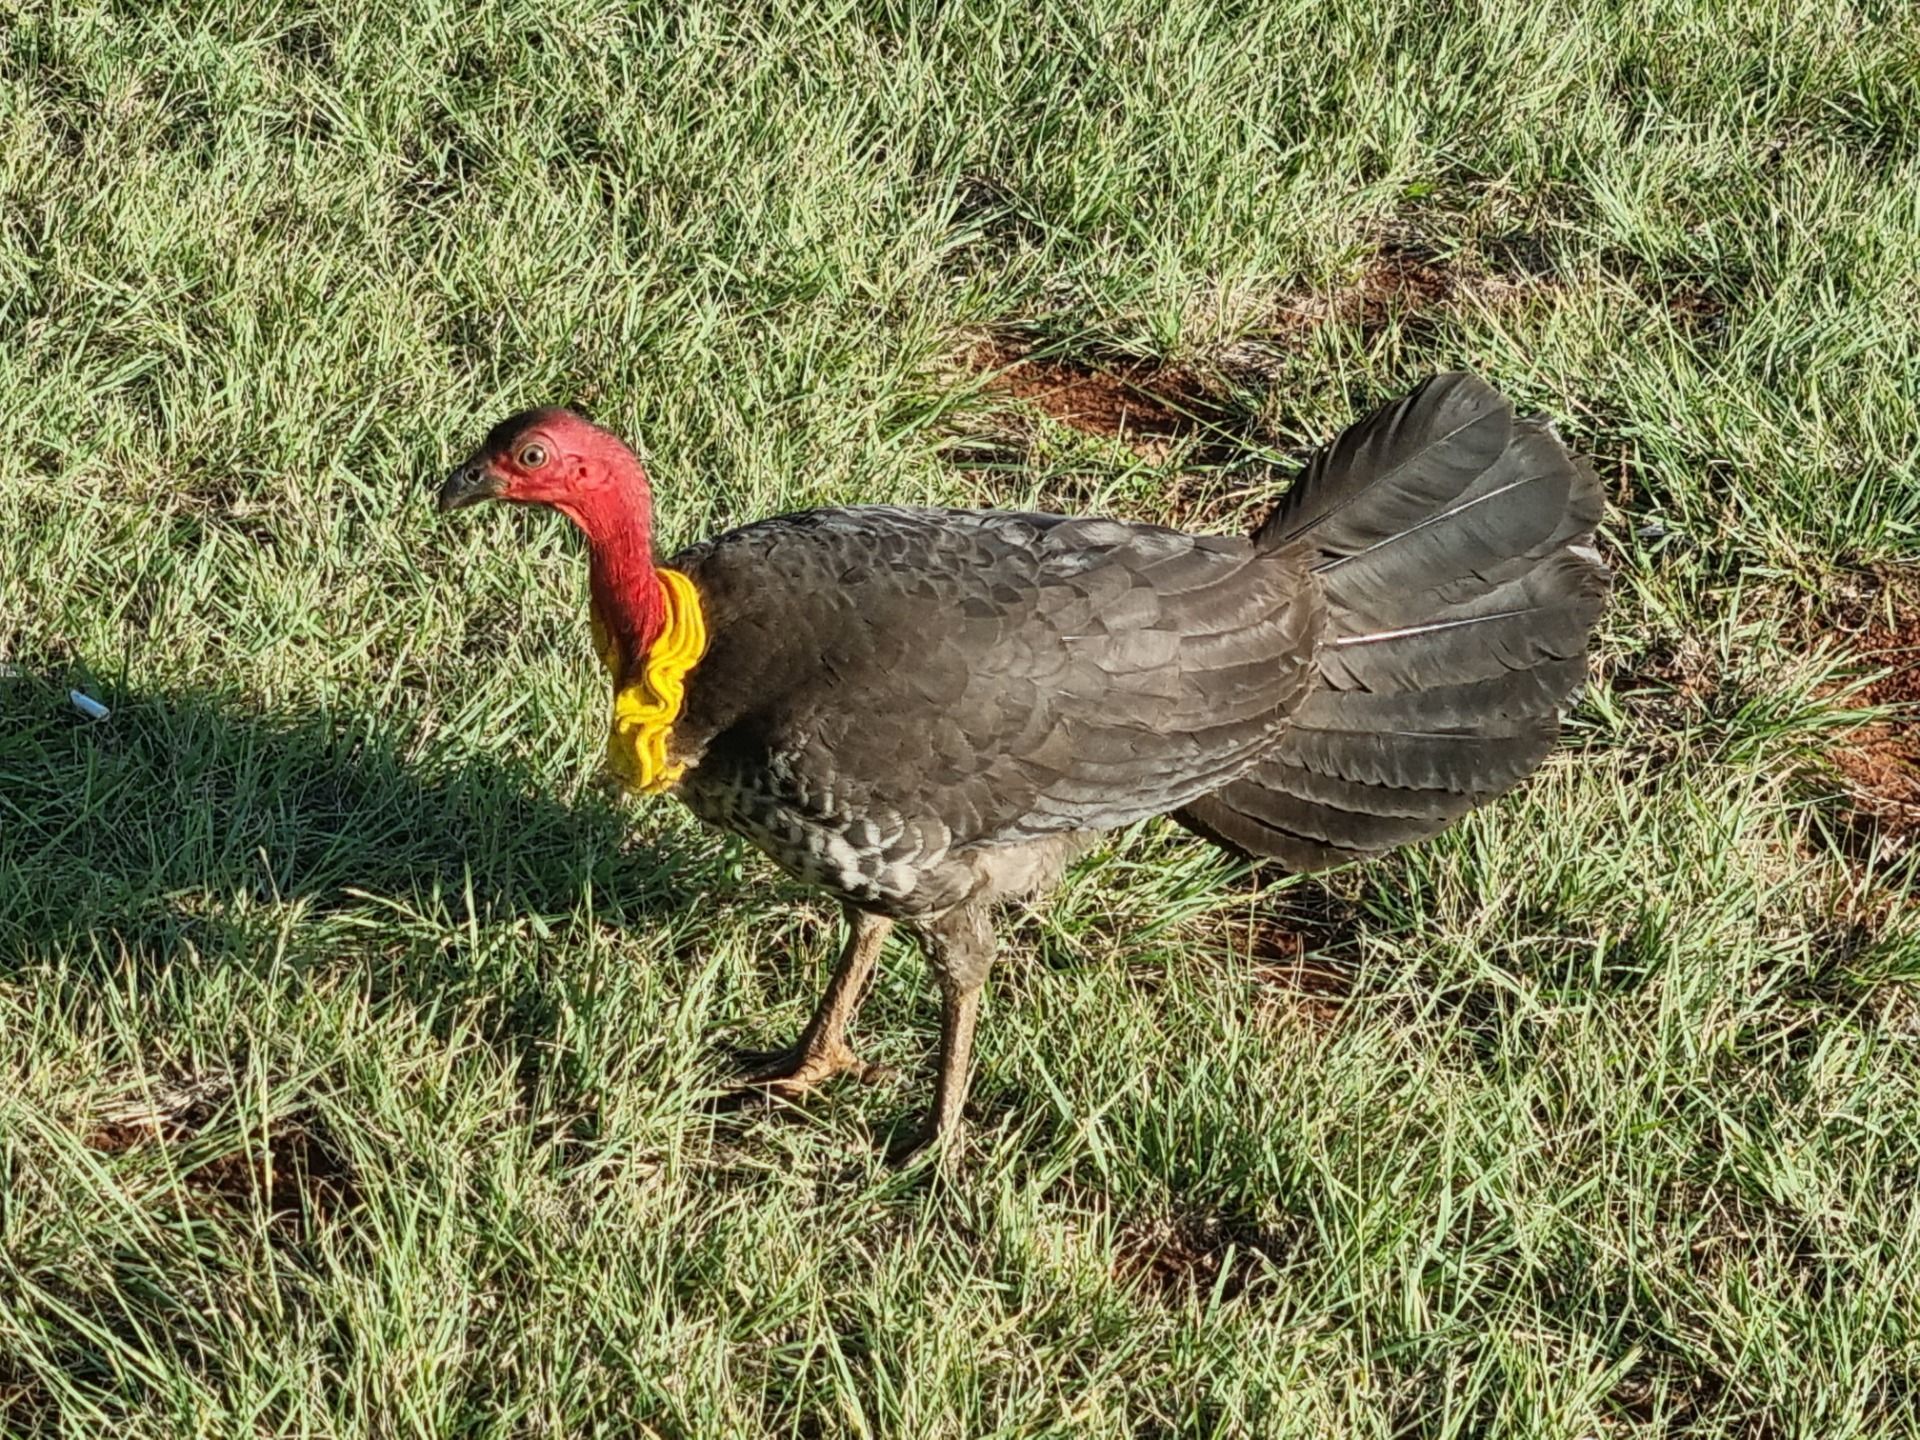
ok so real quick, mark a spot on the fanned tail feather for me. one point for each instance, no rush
(1454, 544)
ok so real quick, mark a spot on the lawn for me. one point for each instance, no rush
(357, 1050)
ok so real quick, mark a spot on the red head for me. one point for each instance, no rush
(559, 459)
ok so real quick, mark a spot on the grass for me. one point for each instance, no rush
(354, 1048)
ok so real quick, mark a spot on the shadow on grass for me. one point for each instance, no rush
(190, 839)
(188, 824)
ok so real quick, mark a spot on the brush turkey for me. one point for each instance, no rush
(924, 711)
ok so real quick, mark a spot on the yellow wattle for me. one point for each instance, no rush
(646, 705)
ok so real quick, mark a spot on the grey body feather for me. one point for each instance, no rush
(921, 708)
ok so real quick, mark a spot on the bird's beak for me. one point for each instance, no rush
(469, 485)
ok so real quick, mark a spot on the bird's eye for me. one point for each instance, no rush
(533, 457)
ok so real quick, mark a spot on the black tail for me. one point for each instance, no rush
(1455, 546)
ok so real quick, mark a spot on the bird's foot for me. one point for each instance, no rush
(794, 1072)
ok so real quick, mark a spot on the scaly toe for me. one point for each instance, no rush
(797, 1071)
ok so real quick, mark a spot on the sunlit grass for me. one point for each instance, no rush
(1598, 1115)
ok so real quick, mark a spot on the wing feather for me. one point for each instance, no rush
(1006, 676)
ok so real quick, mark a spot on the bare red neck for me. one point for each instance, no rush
(617, 520)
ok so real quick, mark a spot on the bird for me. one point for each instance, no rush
(925, 711)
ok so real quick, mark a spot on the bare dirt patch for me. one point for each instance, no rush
(26, 1408)
(1198, 411)
(1880, 763)
(1394, 283)
(1401, 282)
(1145, 407)
(1174, 1259)
(1695, 312)
(1286, 967)
(1299, 945)
(291, 1170)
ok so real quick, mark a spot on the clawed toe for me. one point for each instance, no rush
(794, 1072)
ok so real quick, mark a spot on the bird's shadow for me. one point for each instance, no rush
(191, 831)
(190, 824)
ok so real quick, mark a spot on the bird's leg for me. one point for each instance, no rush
(960, 950)
(958, 1011)
(822, 1051)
